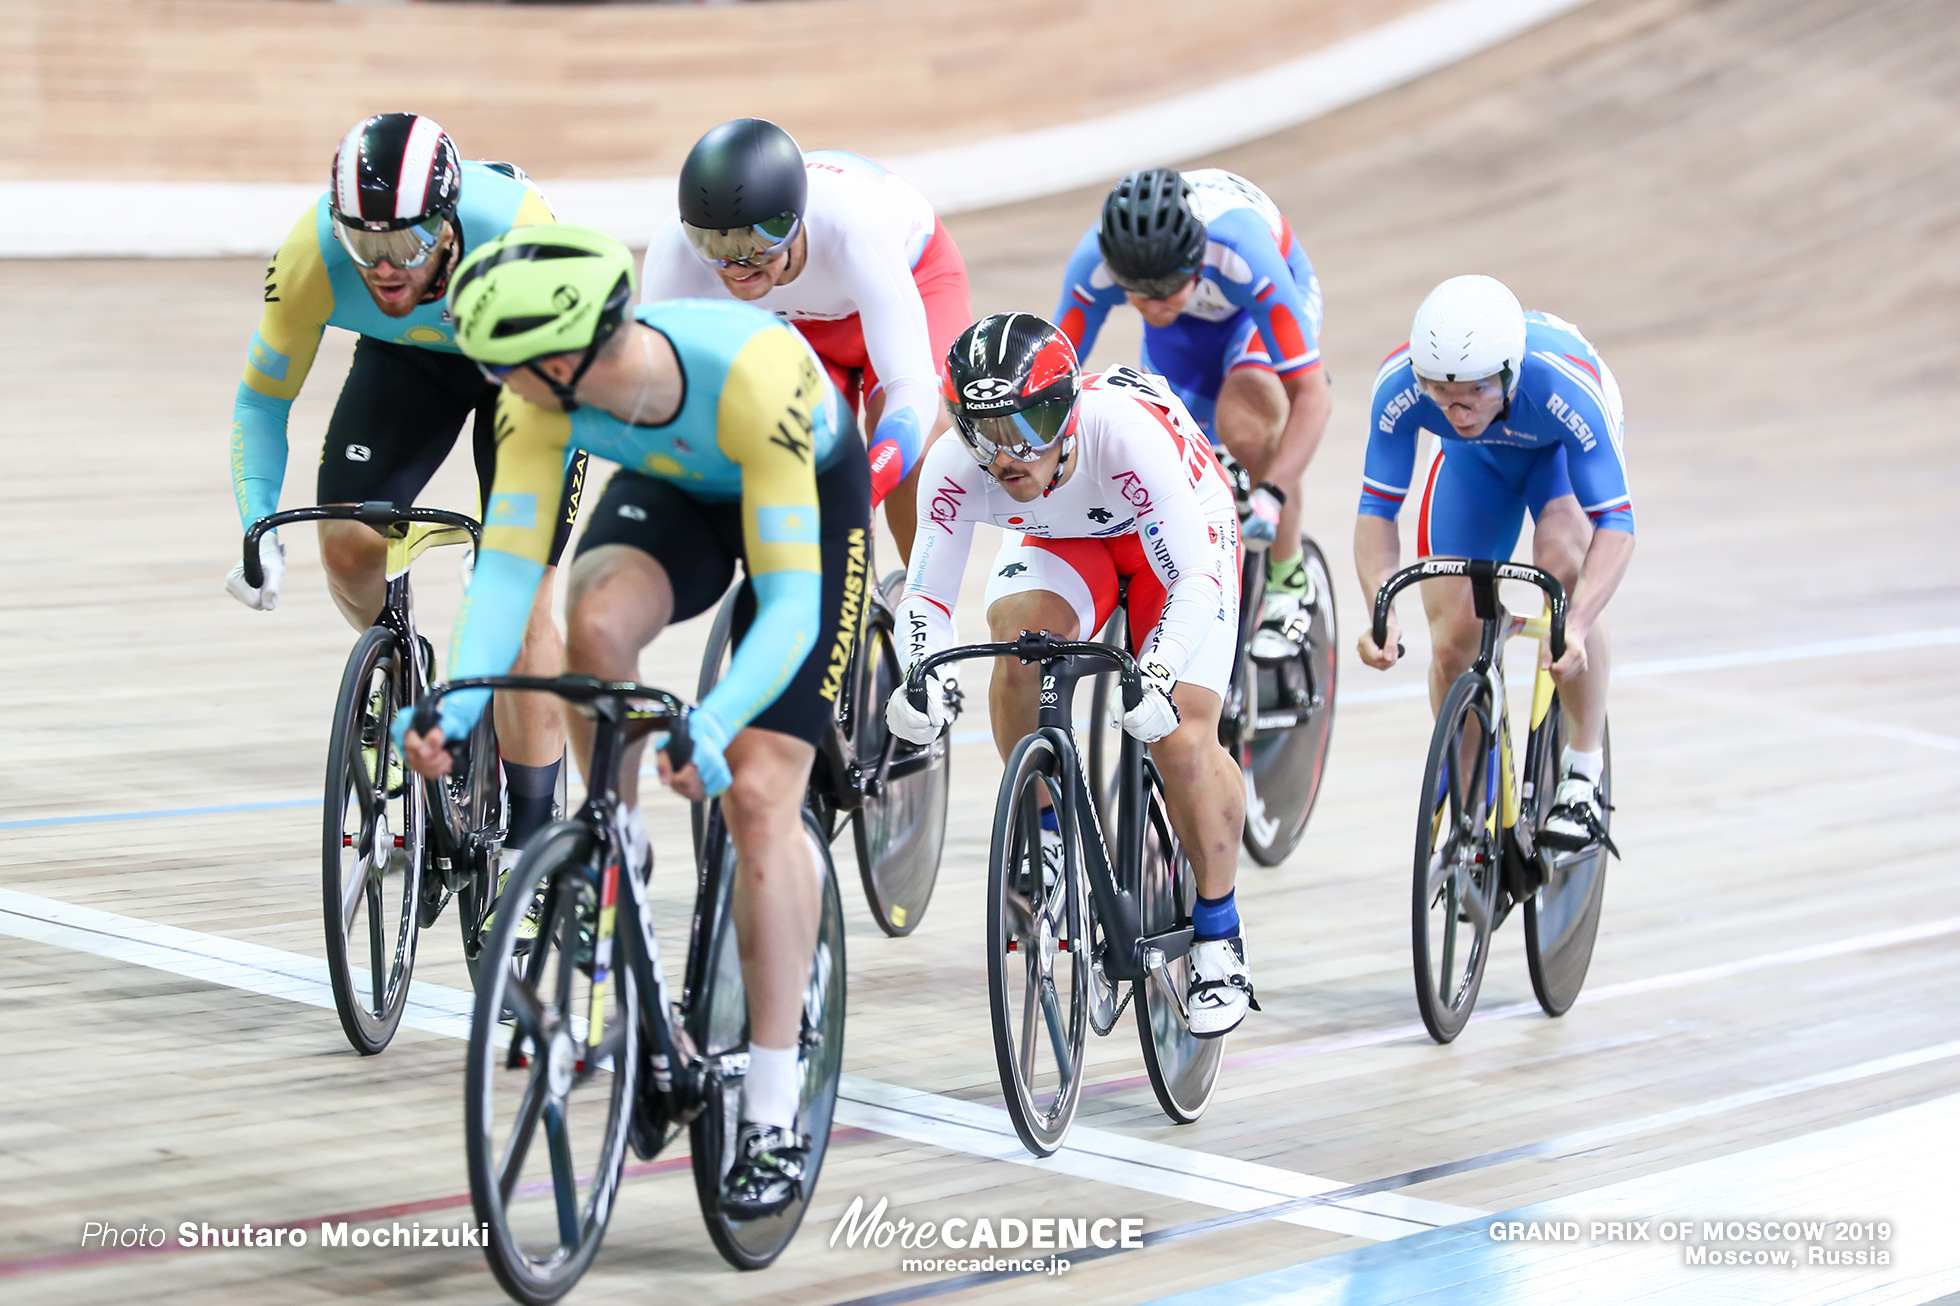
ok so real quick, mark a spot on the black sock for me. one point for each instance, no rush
(530, 790)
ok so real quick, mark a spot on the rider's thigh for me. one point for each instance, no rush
(352, 550)
(1454, 630)
(1560, 538)
(1045, 610)
(1251, 413)
(619, 599)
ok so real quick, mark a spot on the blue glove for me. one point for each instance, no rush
(457, 716)
(710, 735)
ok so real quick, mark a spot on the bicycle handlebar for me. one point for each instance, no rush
(671, 712)
(1481, 572)
(1032, 646)
(373, 513)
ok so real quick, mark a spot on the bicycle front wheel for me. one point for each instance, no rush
(718, 1020)
(1183, 1068)
(375, 846)
(1038, 955)
(554, 1043)
(899, 830)
(1456, 863)
(1561, 920)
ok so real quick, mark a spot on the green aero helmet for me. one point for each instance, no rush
(537, 291)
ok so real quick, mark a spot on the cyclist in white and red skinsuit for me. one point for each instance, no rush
(848, 254)
(1096, 480)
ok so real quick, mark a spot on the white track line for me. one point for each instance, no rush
(909, 1114)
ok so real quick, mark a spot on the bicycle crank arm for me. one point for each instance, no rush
(1154, 964)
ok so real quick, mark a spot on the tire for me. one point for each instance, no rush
(717, 1019)
(1037, 984)
(1561, 920)
(370, 883)
(898, 831)
(1183, 1068)
(1457, 862)
(1104, 730)
(546, 1208)
(1283, 769)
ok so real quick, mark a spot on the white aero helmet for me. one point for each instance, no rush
(1469, 328)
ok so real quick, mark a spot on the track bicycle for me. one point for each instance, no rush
(575, 1028)
(1277, 719)
(893, 793)
(1478, 846)
(1058, 954)
(387, 868)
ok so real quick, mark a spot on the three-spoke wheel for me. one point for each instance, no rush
(375, 847)
(553, 1061)
(718, 1021)
(1458, 844)
(1038, 971)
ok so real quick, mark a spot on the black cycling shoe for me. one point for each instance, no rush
(767, 1176)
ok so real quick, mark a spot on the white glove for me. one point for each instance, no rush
(1155, 715)
(912, 725)
(272, 561)
(1263, 524)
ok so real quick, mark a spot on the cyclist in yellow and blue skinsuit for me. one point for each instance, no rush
(733, 447)
(373, 256)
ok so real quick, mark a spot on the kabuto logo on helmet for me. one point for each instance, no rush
(565, 298)
(987, 389)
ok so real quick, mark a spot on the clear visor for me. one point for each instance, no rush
(404, 247)
(1022, 436)
(1154, 287)
(744, 247)
(1483, 388)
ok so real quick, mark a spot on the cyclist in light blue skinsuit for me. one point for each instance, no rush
(1527, 418)
(1231, 311)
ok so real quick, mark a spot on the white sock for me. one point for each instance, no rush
(1588, 765)
(769, 1090)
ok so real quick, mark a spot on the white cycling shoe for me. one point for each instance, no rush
(1577, 820)
(1283, 627)
(1221, 987)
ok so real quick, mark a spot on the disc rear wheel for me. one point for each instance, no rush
(1291, 712)
(900, 828)
(1183, 1068)
(1561, 920)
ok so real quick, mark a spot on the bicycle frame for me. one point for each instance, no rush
(679, 1071)
(1063, 663)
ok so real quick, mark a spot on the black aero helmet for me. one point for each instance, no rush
(1151, 240)
(742, 191)
(396, 180)
(1012, 384)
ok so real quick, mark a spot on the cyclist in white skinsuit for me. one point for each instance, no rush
(1097, 481)
(848, 254)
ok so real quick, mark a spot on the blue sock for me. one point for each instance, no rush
(1048, 821)
(1215, 918)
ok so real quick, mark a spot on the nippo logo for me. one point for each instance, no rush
(987, 389)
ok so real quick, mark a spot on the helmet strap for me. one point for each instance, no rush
(1061, 467)
(565, 392)
(451, 255)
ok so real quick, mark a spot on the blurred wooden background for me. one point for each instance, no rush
(259, 90)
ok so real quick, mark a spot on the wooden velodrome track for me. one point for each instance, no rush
(1749, 207)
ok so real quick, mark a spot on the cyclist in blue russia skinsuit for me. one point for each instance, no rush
(733, 448)
(1527, 417)
(1231, 311)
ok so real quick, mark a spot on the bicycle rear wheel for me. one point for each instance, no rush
(1037, 958)
(1183, 1068)
(546, 1207)
(375, 846)
(1561, 920)
(899, 830)
(718, 1020)
(1292, 706)
(1456, 863)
